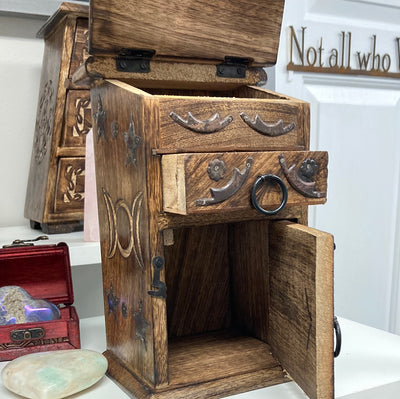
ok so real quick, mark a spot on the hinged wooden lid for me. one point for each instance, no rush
(206, 30)
(44, 271)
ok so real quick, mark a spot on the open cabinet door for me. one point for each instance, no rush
(301, 305)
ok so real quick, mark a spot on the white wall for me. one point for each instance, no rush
(357, 120)
(20, 66)
(21, 56)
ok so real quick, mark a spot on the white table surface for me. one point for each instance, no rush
(80, 252)
(367, 368)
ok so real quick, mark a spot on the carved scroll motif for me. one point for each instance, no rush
(82, 124)
(133, 215)
(302, 182)
(272, 130)
(33, 342)
(71, 194)
(212, 125)
(44, 122)
(235, 183)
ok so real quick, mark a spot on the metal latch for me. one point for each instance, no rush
(233, 67)
(25, 243)
(134, 60)
(27, 334)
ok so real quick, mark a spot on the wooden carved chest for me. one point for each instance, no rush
(55, 194)
(213, 283)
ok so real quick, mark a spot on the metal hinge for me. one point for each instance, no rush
(135, 60)
(25, 243)
(233, 67)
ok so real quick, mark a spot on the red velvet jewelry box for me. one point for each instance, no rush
(44, 271)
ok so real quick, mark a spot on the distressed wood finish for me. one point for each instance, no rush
(198, 261)
(70, 193)
(249, 256)
(186, 181)
(237, 135)
(128, 240)
(78, 120)
(165, 74)
(61, 123)
(301, 305)
(80, 50)
(202, 297)
(222, 269)
(214, 388)
(207, 30)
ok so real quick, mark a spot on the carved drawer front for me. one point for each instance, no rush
(250, 119)
(266, 181)
(78, 118)
(70, 190)
(80, 50)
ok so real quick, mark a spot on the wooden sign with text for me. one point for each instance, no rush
(341, 60)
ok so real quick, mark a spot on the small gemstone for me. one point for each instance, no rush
(17, 306)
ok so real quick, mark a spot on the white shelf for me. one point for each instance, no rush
(81, 252)
(367, 368)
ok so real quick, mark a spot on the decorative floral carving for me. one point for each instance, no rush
(308, 169)
(216, 169)
(44, 121)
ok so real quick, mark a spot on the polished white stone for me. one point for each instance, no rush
(54, 375)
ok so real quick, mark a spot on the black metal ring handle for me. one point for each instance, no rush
(260, 180)
(338, 334)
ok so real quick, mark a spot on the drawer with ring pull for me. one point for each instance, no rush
(195, 183)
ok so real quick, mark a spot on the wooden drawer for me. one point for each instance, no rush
(246, 119)
(80, 50)
(70, 185)
(78, 118)
(215, 182)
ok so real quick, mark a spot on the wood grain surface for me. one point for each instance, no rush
(301, 305)
(190, 74)
(66, 10)
(186, 180)
(237, 135)
(40, 197)
(248, 298)
(206, 29)
(125, 235)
